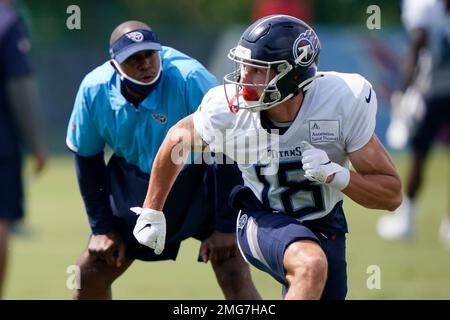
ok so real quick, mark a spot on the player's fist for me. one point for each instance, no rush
(318, 167)
(150, 228)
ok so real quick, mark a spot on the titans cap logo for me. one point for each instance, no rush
(136, 36)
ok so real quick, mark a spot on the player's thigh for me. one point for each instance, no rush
(437, 115)
(300, 254)
(11, 188)
(334, 247)
(263, 238)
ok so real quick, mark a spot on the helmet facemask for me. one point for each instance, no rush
(287, 50)
(286, 83)
(270, 95)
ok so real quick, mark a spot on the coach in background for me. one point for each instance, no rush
(20, 125)
(129, 103)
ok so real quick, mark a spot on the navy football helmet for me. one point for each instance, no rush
(280, 42)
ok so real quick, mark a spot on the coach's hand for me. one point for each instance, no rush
(318, 167)
(218, 247)
(108, 247)
(150, 228)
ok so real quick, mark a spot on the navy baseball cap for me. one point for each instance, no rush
(132, 42)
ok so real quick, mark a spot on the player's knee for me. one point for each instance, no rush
(316, 267)
(306, 263)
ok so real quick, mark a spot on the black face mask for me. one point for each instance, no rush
(143, 90)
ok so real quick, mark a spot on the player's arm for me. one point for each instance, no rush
(169, 161)
(376, 183)
(418, 41)
(22, 91)
(150, 229)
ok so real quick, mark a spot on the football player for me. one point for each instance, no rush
(21, 125)
(312, 124)
(428, 69)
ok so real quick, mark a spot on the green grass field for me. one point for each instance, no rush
(57, 232)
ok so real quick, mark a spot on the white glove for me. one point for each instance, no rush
(318, 167)
(150, 228)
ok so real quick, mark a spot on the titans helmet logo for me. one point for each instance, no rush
(305, 48)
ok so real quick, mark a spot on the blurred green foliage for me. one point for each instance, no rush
(47, 18)
(353, 12)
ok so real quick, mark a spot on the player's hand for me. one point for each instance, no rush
(318, 167)
(218, 247)
(108, 247)
(150, 228)
(40, 160)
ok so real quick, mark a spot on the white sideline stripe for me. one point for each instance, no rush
(71, 145)
(252, 239)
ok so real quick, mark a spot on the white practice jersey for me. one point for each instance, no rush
(337, 115)
(434, 62)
